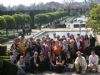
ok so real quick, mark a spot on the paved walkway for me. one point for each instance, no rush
(65, 73)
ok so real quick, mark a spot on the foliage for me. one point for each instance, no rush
(2, 22)
(3, 50)
(48, 17)
(10, 21)
(94, 19)
(8, 68)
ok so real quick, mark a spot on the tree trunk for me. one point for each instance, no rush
(17, 28)
(6, 32)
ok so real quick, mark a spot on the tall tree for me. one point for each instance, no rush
(10, 23)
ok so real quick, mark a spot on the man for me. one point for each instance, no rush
(78, 43)
(93, 62)
(80, 63)
(92, 41)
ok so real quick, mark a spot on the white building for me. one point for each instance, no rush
(77, 23)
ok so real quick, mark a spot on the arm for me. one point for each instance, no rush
(97, 60)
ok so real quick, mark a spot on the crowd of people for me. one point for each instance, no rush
(57, 54)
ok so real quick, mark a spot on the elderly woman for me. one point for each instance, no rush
(80, 63)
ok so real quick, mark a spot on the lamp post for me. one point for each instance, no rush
(80, 28)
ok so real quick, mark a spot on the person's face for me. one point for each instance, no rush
(91, 36)
(49, 54)
(41, 55)
(54, 34)
(93, 53)
(79, 54)
(21, 58)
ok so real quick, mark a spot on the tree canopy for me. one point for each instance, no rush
(94, 19)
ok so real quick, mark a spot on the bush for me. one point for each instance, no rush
(3, 39)
(3, 50)
(9, 68)
(4, 57)
(97, 50)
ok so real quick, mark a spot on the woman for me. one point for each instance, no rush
(34, 63)
(14, 53)
(59, 64)
(80, 63)
(21, 66)
(69, 62)
(42, 62)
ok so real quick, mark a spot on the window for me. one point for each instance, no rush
(82, 25)
(76, 26)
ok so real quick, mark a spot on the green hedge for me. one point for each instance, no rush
(4, 57)
(3, 39)
(9, 68)
(3, 50)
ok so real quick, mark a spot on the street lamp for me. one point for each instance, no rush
(80, 26)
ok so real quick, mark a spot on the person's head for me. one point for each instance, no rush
(49, 54)
(30, 44)
(58, 37)
(63, 37)
(41, 55)
(31, 39)
(93, 53)
(68, 34)
(68, 54)
(86, 37)
(72, 37)
(91, 35)
(35, 54)
(64, 42)
(79, 54)
(54, 35)
(21, 58)
(47, 36)
(13, 46)
(77, 38)
(38, 41)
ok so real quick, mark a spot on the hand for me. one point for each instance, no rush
(37, 65)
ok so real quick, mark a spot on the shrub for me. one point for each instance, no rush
(9, 68)
(3, 39)
(97, 50)
(3, 50)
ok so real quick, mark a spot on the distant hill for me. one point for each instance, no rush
(56, 4)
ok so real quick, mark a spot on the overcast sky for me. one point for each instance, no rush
(28, 2)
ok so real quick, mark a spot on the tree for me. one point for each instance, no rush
(17, 18)
(48, 17)
(94, 18)
(10, 23)
(2, 22)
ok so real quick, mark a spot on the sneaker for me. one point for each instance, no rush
(83, 72)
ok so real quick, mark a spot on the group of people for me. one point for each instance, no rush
(57, 54)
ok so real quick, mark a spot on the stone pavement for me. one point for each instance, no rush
(65, 73)
(68, 73)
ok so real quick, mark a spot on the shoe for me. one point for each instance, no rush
(78, 72)
(83, 72)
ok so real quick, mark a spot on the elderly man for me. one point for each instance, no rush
(93, 62)
(80, 63)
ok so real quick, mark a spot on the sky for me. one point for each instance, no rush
(28, 2)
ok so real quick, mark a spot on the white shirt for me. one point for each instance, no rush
(93, 59)
(78, 44)
(81, 61)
